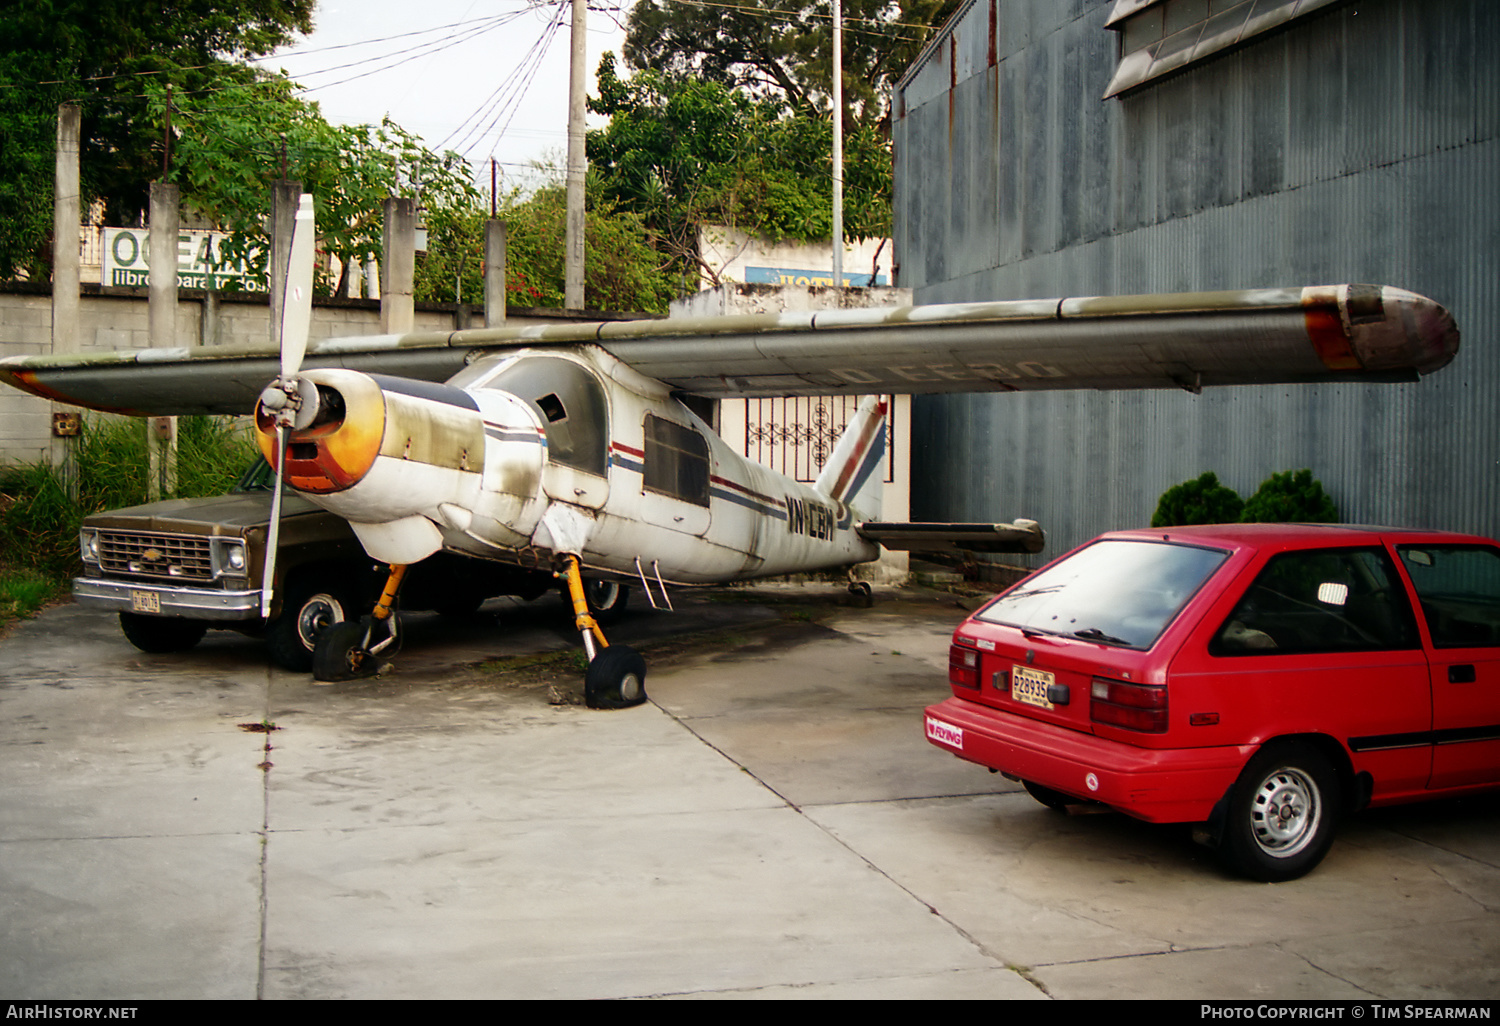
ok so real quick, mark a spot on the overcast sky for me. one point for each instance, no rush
(488, 78)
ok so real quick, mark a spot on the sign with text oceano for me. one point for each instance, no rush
(200, 261)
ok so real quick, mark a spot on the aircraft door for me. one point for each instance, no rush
(574, 409)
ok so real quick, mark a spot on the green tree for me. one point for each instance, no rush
(785, 47)
(683, 152)
(232, 142)
(621, 269)
(99, 54)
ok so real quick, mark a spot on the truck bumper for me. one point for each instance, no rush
(167, 600)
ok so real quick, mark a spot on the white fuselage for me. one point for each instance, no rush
(525, 456)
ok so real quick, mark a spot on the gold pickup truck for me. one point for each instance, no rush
(177, 568)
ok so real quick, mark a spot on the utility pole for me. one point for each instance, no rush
(838, 144)
(577, 159)
(66, 213)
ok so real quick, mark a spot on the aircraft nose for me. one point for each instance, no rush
(339, 447)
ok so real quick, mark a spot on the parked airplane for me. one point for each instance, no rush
(572, 447)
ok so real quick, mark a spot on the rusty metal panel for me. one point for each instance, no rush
(1357, 145)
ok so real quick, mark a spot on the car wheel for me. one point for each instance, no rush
(606, 600)
(1282, 813)
(307, 611)
(616, 679)
(1048, 797)
(159, 634)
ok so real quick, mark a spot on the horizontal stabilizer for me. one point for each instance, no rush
(1020, 536)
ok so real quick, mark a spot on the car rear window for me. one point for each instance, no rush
(1114, 592)
(1322, 600)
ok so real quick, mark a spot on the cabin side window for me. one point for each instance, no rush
(676, 461)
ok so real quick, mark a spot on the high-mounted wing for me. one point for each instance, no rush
(1178, 340)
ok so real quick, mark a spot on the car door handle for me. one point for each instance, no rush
(1461, 674)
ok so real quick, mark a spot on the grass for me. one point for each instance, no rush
(39, 519)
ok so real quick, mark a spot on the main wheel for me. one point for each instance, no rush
(616, 679)
(159, 634)
(1282, 813)
(606, 600)
(307, 610)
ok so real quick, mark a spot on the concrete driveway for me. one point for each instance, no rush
(772, 824)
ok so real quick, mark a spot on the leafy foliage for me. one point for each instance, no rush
(99, 54)
(621, 269)
(235, 141)
(39, 521)
(1291, 497)
(679, 153)
(784, 48)
(1202, 500)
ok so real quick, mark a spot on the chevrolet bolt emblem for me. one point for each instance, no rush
(152, 556)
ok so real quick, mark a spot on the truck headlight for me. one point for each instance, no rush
(88, 545)
(234, 558)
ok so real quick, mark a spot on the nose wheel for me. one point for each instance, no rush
(355, 650)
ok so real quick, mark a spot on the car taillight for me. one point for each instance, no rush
(963, 667)
(1140, 707)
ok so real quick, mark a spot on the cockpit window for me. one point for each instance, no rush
(572, 404)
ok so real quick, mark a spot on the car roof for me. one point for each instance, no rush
(1293, 535)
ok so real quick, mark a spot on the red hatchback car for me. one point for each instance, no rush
(1259, 680)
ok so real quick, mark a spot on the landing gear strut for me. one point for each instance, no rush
(354, 649)
(616, 677)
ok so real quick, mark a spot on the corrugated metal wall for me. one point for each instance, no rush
(1357, 145)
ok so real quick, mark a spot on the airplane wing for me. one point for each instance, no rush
(1177, 340)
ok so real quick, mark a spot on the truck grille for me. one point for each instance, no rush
(144, 554)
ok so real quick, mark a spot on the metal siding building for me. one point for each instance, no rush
(1355, 144)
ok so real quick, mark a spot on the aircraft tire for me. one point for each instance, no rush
(616, 679)
(338, 655)
(159, 634)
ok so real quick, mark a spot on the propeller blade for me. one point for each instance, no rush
(296, 303)
(273, 536)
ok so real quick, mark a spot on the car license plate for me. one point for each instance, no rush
(1030, 686)
(144, 601)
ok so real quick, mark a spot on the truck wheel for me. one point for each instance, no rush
(161, 633)
(616, 679)
(306, 612)
(1282, 813)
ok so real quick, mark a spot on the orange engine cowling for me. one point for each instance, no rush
(339, 447)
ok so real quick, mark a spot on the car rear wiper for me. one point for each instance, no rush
(1095, 634)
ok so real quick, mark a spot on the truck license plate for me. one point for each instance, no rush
(1030, 686)
(144, 601)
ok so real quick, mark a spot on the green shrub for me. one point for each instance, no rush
(1292, 497)
(1202, 500)
(39, 521)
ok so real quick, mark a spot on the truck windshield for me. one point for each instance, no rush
(1113, 592)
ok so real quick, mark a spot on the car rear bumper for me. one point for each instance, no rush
(1172, 785)
(166, 599)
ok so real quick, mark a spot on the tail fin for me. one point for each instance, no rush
(850, 475)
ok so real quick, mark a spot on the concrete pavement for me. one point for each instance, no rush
(772, 824)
